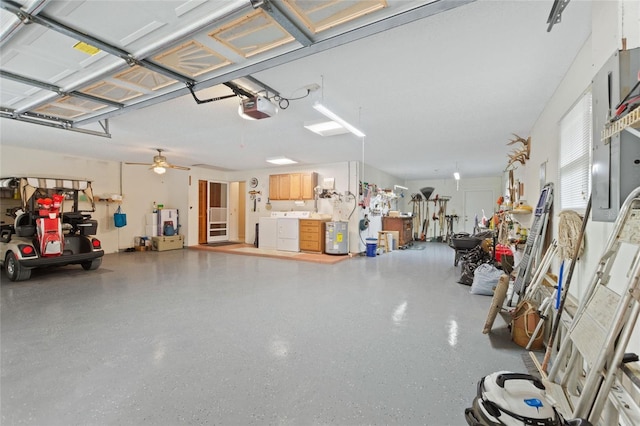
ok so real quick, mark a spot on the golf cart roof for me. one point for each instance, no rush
(29, 185)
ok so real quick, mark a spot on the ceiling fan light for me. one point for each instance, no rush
(159, 170)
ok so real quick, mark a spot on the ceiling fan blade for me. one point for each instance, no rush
(173, 166)
(160, 161)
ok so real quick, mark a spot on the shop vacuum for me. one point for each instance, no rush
(514, 399)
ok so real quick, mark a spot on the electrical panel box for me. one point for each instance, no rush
(616, 160)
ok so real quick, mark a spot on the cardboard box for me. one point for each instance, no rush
(173, 242)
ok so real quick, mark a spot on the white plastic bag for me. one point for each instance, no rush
(485, 279)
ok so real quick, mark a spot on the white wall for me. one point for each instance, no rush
(545, 134)
(605, 40)
(448, 187)
(141, 188)
(382, 180)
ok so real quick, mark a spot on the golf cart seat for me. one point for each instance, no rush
(24, 225)
(81, 222)
(5, 233)
(72, 218)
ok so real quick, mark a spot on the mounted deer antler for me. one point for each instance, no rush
(520, 155)
(526, 144)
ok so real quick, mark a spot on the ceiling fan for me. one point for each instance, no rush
(160, 164)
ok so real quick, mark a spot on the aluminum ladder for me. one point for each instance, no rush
(534, 243)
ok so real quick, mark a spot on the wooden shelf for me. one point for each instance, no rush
(107, 200)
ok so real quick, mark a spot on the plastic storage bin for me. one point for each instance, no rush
(372, 247)
(167, 243)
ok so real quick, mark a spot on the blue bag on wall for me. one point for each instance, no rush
(119, 218)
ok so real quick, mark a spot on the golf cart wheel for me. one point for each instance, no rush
(92, 265)
(15, 271)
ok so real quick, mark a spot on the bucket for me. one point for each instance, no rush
(372, 246)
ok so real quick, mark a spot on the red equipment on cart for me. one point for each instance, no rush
(49, 226)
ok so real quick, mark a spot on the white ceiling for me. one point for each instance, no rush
(443, 92)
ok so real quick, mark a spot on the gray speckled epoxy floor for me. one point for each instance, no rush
(196, 337)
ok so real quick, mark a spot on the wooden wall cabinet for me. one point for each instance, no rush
(404, 226)
(292, 186)
(307, 187)
(284, 187)
(274, 187)
(312, 236)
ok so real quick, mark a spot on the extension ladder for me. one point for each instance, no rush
(535, 240)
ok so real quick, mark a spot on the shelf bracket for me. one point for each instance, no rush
(616, 127)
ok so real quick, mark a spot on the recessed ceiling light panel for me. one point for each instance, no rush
(281, 161)
(326, 128)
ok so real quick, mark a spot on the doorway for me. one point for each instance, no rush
(221, 211)
(241, 209)
(475, 202)
(213, 211)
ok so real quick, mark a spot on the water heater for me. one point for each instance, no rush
(337, 238)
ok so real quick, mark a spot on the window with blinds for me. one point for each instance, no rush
(575, 155)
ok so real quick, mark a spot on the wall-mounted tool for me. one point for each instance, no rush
(253, 194)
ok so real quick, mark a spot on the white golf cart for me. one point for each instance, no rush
(44, 233)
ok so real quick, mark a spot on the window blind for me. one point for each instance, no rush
(575, 155)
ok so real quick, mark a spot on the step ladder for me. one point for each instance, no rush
(535, 240)
(585, 375)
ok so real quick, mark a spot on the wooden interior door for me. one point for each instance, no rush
(242, 207)
(203, 224)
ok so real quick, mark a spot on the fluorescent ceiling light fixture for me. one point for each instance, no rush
(456, 175)
(281, 161)
(159, 170)
(326, 128)
(332, 116)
